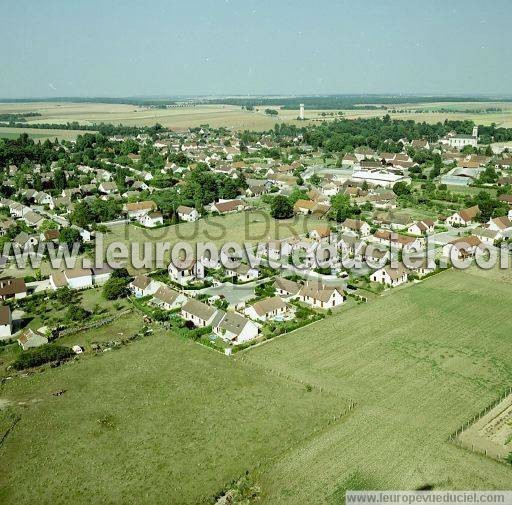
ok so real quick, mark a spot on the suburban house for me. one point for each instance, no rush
(143, 285)
(500, 224)
(139, 209)
(463, 247)
(274, 249)
(5, 322)
(321, 234)
(421, 227)
(286, 288)
(151, 219)
(397, 241)
(421, 268)
(73, 278)
(108, 188)
(33, 219)
(486, 235)
(185, 271)
(463, 217)
(102, 274)
(12, 288)
(167, 298)
(304, 206)
(357, 226)
(393, 220)
(243, 273)
(227, 206)
(390, 276)
(266, 308)
(198, 313)
(31, 338)
(187, 213)
(420, 144)
(235, 328)
(318, 295)
(25, 241)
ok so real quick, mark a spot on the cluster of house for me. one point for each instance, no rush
(244, 322)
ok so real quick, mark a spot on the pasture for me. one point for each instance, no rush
(234, 117)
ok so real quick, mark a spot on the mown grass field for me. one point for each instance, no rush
(162, 420)
(235, 117)
(419, 363)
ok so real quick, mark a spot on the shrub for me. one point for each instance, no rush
(41, 355)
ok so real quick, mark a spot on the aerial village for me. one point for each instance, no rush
(444, 186)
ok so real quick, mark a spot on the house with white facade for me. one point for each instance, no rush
(167, 298)
(235, 328)
(139, 209)
(198, 313)
(390, 276)
(5, 322)
(463, 217)
(360, 228)
(286, 288)
(267, 308)
(185, 271)
(188, 214)
(142, 285)
(321, 296)
(151, 219)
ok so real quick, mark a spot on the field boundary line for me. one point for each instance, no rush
(454, 439)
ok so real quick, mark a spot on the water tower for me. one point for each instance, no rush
(301, 112)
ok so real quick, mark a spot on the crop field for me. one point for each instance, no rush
(419, 363)
(162, 419)
(235, 117)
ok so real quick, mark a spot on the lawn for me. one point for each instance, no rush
(162, 420)
(419, 363)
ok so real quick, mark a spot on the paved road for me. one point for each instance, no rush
(444, 237)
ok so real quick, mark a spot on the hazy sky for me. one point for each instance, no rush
(156, 47)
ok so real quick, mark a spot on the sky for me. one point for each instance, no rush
(95, 48)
